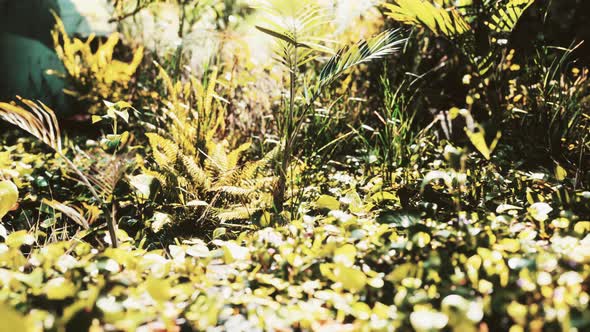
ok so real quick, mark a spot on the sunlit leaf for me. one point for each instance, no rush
(8, 197)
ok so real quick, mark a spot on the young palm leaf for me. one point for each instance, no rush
(40, 121)
(384, 44)
(297, 27)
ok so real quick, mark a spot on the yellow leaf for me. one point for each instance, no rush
(59, 289)
(12, 321)
(479, 142)
(345, 255)
(560, 173)
(159, 289)
(19, 238)
(327, 202)
(8, 197)
(351, 279)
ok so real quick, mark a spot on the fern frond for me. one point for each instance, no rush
(197, 174)
(165, 151)
(235, 191)
(39, 121)
(234, 156)
(235, 213)
(216, 161)
(158, 176)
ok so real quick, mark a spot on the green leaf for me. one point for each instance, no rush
(364, 51)
(159, 289)
(233, 252)
(281, 36)
(8, 197)
(427, 320)
(560, 173)
(144, 185)
(540, 211)
(159, 220)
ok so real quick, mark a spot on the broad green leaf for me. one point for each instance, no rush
(143, 184)
(421, 239)
(582, 227)
(96, 119)
(540, 211)
(427, 320)
(479, 141)
(159, 220)
(233, 252)
(560, 173)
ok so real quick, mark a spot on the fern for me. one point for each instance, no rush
(93, 75)
(195, 167)
(165, 151)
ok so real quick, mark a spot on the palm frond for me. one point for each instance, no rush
(39, 121)
(384, 44)
(296, 27)
(71, 212)
(503, 17)
(441, 21)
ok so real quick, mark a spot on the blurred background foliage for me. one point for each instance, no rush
(359, 164)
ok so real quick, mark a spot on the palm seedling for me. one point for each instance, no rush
(295, 26)
(478, 28)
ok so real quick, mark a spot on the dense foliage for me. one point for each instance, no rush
(303, 166)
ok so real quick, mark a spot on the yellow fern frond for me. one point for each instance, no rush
(165, 151)
(198, 175)
(234, 213)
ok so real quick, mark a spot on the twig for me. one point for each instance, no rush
(138, 8)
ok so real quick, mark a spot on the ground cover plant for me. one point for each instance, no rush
(317, 165)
